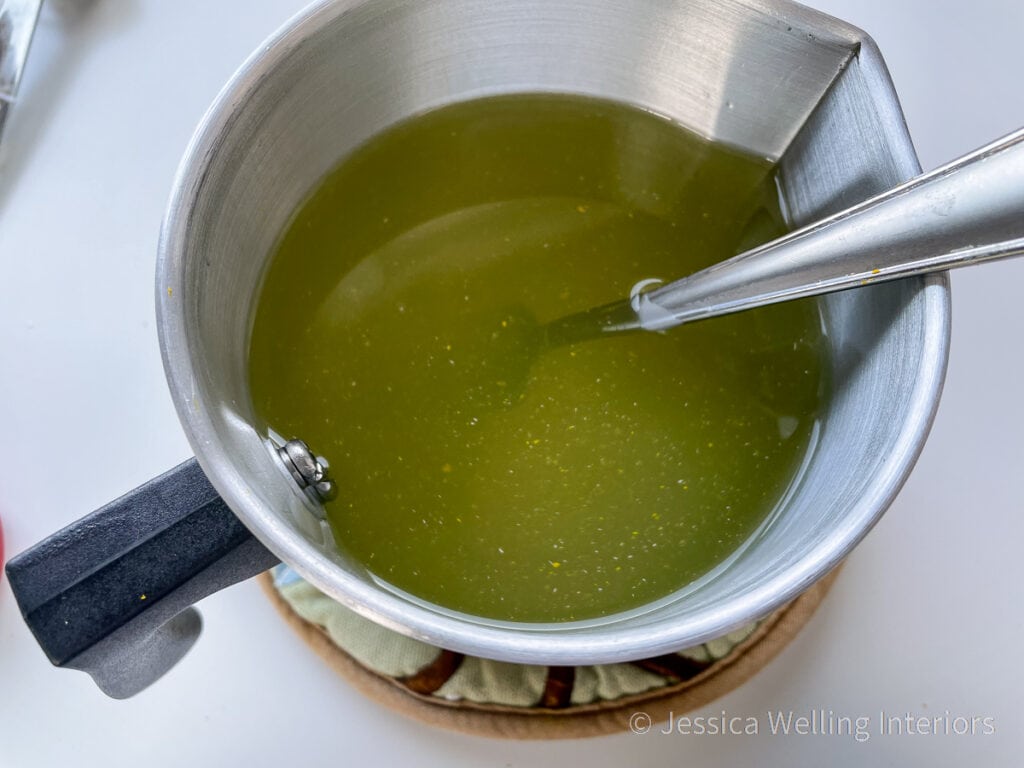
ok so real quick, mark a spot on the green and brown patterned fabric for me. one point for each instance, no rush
(478, 695)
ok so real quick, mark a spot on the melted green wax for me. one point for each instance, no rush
(485, 474)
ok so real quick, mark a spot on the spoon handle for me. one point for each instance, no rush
(964, 213)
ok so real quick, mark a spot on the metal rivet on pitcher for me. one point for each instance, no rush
(306, 469)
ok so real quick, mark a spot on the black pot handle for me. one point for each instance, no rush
(111, 594)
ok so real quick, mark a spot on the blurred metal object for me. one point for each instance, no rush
(17, 24)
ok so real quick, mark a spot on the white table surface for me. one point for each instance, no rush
(924, 619)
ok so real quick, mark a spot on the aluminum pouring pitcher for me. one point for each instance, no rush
(767, 76)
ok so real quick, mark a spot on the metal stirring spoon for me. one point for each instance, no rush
(967, 212)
